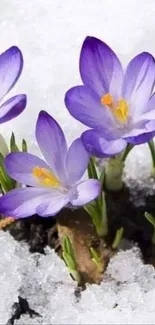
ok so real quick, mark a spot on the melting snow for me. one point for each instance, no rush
(126, 296)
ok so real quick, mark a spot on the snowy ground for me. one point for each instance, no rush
(125, 297)
(50, 34)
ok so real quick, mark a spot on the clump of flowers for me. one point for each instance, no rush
(119, 108)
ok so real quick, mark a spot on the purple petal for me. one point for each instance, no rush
(11, 64)
(52, 205)
(22, 202)
(142, 138)
(145, 135)
(85, 106)
(150, 110)
(52, 143)
(100, 68)
(99, 147)
(77, 161)
(19, 166)
(138, 82)
(12, 108)
(87, 191)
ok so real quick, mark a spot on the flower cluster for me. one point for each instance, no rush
(117, 105)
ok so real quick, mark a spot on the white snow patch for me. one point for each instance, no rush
(50, 35)
(125, 296)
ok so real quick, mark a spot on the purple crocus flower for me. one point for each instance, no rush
(11, 64)
(53, 184)
(118, 106)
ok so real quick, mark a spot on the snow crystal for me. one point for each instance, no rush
(125, 296)
(10, 275)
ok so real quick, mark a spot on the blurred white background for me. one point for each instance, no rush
(50, 34)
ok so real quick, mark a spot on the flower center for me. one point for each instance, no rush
(45, 177)
(119, 109)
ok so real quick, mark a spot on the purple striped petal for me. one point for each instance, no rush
(52, 143)
(12, 108)
(100, 68)
(22, 202)
(77, 161)
(142, 136)
(11, 64)
(19, 166)
(97, 146)
(85, 106)
(140, 139)
(138, 82)
(52, 205)
(150, 111)
(87, 191)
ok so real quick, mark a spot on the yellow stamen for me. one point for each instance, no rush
(107, 100)
(119, 109)
(45, 177)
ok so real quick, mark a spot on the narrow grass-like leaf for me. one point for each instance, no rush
(24, 146)
(92, 172)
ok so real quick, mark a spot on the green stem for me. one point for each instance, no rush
(152, 151)
(114, 170)
(113, 174)
(129, 147)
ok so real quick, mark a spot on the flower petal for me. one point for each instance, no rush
(22, 202)
(77, 161)
(85, 106)
(100, 68)
(87, 192)
(96, 144)
(11, 64)
(52, 205)
(19, 165)
(142, 136)
(52, 143)
(138, 82)
(12, 108)
(150, 111)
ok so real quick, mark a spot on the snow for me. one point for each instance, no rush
(50, 35)
(126, 296)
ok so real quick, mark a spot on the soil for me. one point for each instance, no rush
(39, 232)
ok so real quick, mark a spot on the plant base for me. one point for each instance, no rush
(80, 230)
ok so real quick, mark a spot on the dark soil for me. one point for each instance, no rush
(19, 308)
(39, 232)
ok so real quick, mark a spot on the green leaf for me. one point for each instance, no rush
(118, 237)
(69, 262)
(6, 182)
(96, 258)
(69, 258)
(67, 247)
(150, 218)
(92, 172)
(24, 146)
(13, 146)
(102, 177)
(95, 255)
